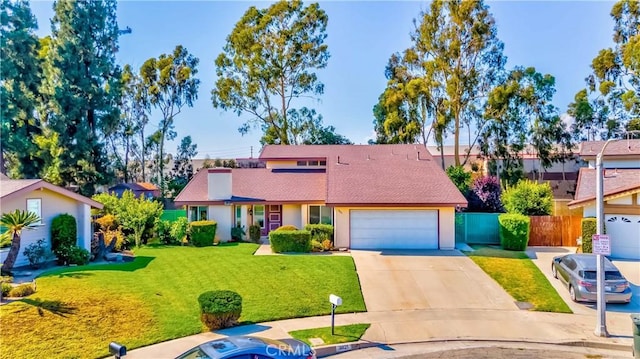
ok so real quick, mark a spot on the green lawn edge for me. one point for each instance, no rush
(343, 334)
(154, 298)
(516, 273)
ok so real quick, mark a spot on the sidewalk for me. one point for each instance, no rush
(397, 327)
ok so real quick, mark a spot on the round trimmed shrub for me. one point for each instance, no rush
(64, 231)
(22, 290)
(220, 308)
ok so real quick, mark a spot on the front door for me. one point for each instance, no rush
(274, 217)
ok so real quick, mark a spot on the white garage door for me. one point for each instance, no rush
(394, 229)
(624, 231)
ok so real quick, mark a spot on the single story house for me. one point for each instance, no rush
(139, 189)
(621, 163)
(47, 201)
(375, 196)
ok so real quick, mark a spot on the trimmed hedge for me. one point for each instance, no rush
(220, 308)
(290, 241)
(203, 233)
(589, 228)
(514, 231)
(64, 231)
(320, 232)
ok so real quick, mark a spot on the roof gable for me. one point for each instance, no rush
(10, 189)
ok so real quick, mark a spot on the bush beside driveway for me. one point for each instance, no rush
(77, 311)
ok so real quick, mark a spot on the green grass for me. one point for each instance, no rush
(77, 311)
(520, 277)
(343, 334)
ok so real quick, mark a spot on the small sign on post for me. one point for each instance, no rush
(335, 301)
(601, 244)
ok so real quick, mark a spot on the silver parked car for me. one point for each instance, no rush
(578, 273)
(248, 347)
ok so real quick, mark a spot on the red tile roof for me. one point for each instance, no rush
(615, 182)
(384, 175)
(620, 148)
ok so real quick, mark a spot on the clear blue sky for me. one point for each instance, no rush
(559, 38)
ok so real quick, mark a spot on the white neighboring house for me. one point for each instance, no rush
(47, 201)
(621, 161)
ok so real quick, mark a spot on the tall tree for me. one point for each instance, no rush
(82, 80)
(126, 139)
(182, 166)
(268, 62)
(170, 85)
(520, 112)
(612, 97)
(442, 81)
(20, 79)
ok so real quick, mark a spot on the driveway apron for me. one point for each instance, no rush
(410, 280)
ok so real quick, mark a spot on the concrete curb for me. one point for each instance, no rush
(328, 350)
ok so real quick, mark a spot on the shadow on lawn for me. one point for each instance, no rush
(81, 272)
(52, 306)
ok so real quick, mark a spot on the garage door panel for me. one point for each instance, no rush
(624, 231)
(394, 229)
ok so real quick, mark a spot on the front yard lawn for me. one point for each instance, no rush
(520, 277)
(343, 334)
(77, 311)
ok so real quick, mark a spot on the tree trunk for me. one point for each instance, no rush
(8, 264)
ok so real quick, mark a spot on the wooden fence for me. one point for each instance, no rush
(482, 228)
(555, 231)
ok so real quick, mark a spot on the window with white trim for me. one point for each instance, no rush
(320, 215)
(34, 205)
(198, 213)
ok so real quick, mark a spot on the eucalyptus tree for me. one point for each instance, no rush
(440, 84)
(126, 140)
(82, 83)
(169, 85)
(20, 79)
(268, 64)
(611, 99)
(520, 112)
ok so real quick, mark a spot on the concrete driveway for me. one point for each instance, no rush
(542, 257)
(409, 280)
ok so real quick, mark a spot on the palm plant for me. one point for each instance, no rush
(15, 222)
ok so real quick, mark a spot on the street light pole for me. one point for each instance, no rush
(601, 304)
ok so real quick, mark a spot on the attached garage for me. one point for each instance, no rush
(394, 229)
(624, 231)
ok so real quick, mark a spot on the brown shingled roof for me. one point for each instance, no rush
(616, 182)
(620, 148)
(261, 184)
(360, 175)
(377, 174)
